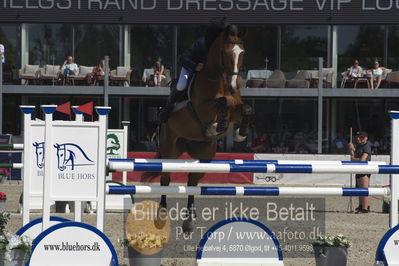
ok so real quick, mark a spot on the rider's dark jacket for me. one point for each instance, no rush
(194, 55)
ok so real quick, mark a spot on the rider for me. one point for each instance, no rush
(192, 61)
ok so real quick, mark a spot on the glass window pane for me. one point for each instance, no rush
(365, 43)
(282, 120)
(93, 42)
(9, 38)
(49, 43)
(260, 44)
(150, 42)
(393, 44)
(366, 115)
(302, 46)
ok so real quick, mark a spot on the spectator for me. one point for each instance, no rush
(375, 74)
(159, 74)
(354, 73)
(260, 144)
(362, 152)
(69, 68)
(302, 149)
(339, 144)
(282, 148)
(2, 57)
(374, 144)
(94, 77)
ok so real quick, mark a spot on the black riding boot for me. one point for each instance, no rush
(174, 97)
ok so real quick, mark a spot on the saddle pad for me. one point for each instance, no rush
(180, 105)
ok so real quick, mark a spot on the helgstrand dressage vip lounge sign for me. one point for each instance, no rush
(200, 11)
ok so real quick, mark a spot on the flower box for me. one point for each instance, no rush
(331, 250)
(15, 257)
(330, 256)
(14, 249)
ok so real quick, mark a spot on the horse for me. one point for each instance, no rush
(214, 92)
(72, 155)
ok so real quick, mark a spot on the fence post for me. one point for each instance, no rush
(1, 95)
(394, 161)
(320, 109)
(106, 80)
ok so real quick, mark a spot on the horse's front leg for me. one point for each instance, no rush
(165, 181)
(193, 180)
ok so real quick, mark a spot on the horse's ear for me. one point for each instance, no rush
(56, 145)
(34, 144)
(242, 33)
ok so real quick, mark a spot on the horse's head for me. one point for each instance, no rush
(232, 55)
(39, 153)
(61, 155)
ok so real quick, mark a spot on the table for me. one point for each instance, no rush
(147, 73)
(258, 74)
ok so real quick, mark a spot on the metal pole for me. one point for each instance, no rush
(1, 95)
(174, 52)
(106, 80)
(320, 109)
(279, 47)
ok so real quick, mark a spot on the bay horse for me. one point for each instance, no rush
(215, 92)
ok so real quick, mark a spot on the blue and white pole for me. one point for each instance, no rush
(249, 161)
(247, 191)
(118, 165)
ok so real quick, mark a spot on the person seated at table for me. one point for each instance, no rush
(375, 74)
(354, 73)
(97, 74)
(68, 68)
(159, 73)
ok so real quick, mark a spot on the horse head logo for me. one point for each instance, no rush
(72, 155)
(39, 154)
(113, 144)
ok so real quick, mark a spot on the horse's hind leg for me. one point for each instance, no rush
(193, 180)
(170, 148)
(197, 150)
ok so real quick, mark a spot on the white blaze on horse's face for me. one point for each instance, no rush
(236, 55)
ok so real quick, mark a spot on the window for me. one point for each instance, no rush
(366, 115)
(260, 47)
(365, 43)
(93, 42)
(283, 121)
(302, 46)
(49, 43)
(393, 44)
(9, 38)
(149, 43)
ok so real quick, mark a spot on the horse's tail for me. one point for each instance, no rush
(149, 176)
